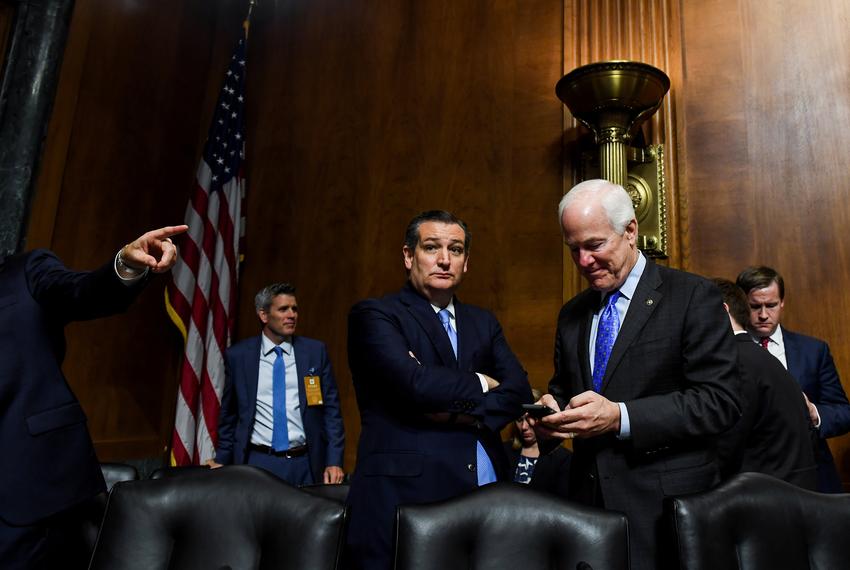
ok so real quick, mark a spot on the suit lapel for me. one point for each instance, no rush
(591, 304)
(251, 368)
(466, 337)
(641, 307)
(300, 373)
(792, 353)
(422, 312)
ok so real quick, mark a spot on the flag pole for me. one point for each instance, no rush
(247, 23)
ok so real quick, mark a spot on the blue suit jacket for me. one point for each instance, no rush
(51, 463)
(322, 424)
(405, 454)
(811, 364)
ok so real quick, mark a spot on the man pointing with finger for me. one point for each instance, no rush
(52, 471)
(644, 371)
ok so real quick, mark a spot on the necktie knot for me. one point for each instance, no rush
(278, 351)
(612, 299)
(445, 317)
(764, 341)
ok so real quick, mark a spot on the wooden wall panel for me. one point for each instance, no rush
(364, 114)
(119, 157)
(636, 30)
(766, 122)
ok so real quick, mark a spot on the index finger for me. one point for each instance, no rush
(168, 231)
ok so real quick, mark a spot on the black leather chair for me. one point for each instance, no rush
(754, 522)
(118, 472)
(236, 517)
(93, 510)
(335, 492)
(505, 526)
(168, 472)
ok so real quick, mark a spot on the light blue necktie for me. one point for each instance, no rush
(484, 469)
(280, 432)
(606, 333)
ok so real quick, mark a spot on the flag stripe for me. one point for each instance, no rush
(201, 296)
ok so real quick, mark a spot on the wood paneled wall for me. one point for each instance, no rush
(361, 114)
(120, 153)
(764, 126)
(364, 114)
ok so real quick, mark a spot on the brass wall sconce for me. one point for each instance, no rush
(612, 99)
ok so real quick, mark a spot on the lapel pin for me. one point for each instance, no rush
(649, 302)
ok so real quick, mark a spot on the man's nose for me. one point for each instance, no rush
(585, 259)
(443, 257)
(763, 313)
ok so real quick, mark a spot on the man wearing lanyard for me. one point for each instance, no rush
(280, 405)
(644, 371)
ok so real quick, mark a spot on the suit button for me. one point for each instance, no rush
(470, 466)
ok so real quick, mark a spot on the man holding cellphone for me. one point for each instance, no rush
(645, 371)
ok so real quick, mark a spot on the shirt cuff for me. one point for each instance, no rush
(817, 413)
(483, 381)
(625, 426)
(134, 275)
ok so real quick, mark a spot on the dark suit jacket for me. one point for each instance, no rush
(811, 364)
(774, 435)
(673, 365)
(403, 456)
(50, 463)
(322, 424)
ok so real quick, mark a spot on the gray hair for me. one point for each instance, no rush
(613, 198)
(263, 299)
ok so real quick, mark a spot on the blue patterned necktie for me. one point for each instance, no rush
(485, 470)
(606, 333)
(280, 432)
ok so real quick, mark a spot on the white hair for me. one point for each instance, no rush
(612, 197)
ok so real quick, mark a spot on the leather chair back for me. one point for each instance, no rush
(236, 517)
(506, 526)
(335, 492)
(755, 521)
(167, 472)
(118, 472)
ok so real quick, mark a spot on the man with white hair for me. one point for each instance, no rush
(644, 371)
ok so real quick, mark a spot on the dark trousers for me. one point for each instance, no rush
(56, 542)
(293, 470)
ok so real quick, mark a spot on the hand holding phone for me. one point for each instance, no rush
(537, 410)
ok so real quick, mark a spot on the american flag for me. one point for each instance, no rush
(201, 296)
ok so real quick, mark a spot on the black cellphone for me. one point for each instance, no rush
(537, 410)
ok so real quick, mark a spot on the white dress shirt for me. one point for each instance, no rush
(264, 415)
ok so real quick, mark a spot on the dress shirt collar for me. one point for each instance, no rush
(268, 346)
(775, 338)
(627, 289)
(450, 308)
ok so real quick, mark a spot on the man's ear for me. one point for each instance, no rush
(263, 316)
(631, 231)
(408, 257)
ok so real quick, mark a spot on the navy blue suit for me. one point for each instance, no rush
(322, 424)
(411, 450)
(50, 464)
(810, 363)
